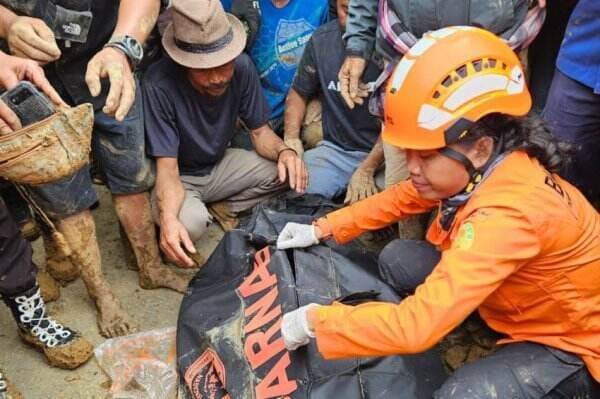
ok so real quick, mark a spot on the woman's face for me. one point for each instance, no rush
(437, 177)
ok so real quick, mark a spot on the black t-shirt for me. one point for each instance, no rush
(317, 75)
(194, 128)
(67, 74)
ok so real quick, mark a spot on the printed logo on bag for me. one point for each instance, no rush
(205, 378)
(263, 345)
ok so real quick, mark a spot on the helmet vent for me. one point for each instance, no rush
(448, 81)
(462, 71)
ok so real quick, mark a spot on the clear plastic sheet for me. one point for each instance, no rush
(141, 366)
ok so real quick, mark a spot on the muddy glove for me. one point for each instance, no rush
(32, 38)
(294, 328)
(113, 64)
(296, 145)
(296, 235)
(361, 186)
(249, 12)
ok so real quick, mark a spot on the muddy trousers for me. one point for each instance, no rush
(520, 370)
(17, 271)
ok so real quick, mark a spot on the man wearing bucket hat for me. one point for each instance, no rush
(193, 99)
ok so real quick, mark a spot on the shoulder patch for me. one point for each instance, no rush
(465, 237)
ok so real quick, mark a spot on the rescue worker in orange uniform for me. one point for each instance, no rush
(511, 239)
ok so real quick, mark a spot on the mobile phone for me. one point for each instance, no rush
(28, 103)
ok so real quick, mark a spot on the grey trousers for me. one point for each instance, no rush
(241, 179)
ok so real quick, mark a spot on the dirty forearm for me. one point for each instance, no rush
(295, 109)
(6, 19)
(374, 159)
(137, 18)
(267, 143)
(169, 190)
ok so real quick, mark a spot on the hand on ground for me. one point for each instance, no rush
(174, 241)
(113, 64)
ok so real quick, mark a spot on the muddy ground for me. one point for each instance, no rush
(150, 309)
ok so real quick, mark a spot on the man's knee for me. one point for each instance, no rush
(195, 221)
(405, 264)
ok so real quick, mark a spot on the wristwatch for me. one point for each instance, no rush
(130, 46)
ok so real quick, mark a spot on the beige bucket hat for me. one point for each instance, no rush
(202, 35)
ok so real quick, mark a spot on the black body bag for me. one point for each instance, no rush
(229, 343)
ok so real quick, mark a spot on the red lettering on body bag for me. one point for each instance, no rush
(259, 346)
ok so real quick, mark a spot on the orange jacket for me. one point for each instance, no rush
(524, 250)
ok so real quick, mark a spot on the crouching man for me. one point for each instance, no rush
(350, 154)
(193, 100)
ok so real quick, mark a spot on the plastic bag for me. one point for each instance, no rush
(141, 366)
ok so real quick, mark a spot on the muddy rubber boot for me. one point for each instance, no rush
(8, 390)
(135, 215)
(79, 231)
(60, 267)
(63, 347)
(48, 286)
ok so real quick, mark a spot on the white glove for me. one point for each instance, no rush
(296, 235)
(294, 328)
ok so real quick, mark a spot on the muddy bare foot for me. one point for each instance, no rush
(163, 277)
(113, 321)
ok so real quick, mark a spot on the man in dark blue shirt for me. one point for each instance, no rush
(573, 106)
(192, 103)
(350, 152)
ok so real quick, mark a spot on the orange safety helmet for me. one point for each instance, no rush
(448, 80)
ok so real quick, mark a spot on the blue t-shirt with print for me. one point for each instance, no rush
(280, 42)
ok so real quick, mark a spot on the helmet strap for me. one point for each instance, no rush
(475, 174)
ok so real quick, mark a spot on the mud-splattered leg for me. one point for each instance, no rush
(80, 232)
(135, 215)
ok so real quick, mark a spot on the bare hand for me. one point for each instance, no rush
(113, 64)
(362, 185)
(174, 238)
(296, 145)
(350, 74)
(13, 70)
(292, 168)
(32, 38)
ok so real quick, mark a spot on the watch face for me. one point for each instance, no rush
(135, 47)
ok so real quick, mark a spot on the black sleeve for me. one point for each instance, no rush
(254, 110)
(306, 81)
(162, 137)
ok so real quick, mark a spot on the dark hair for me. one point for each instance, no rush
(529, 134)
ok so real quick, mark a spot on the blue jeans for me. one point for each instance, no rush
(330, 168)
(573, 115)
(119, 148)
